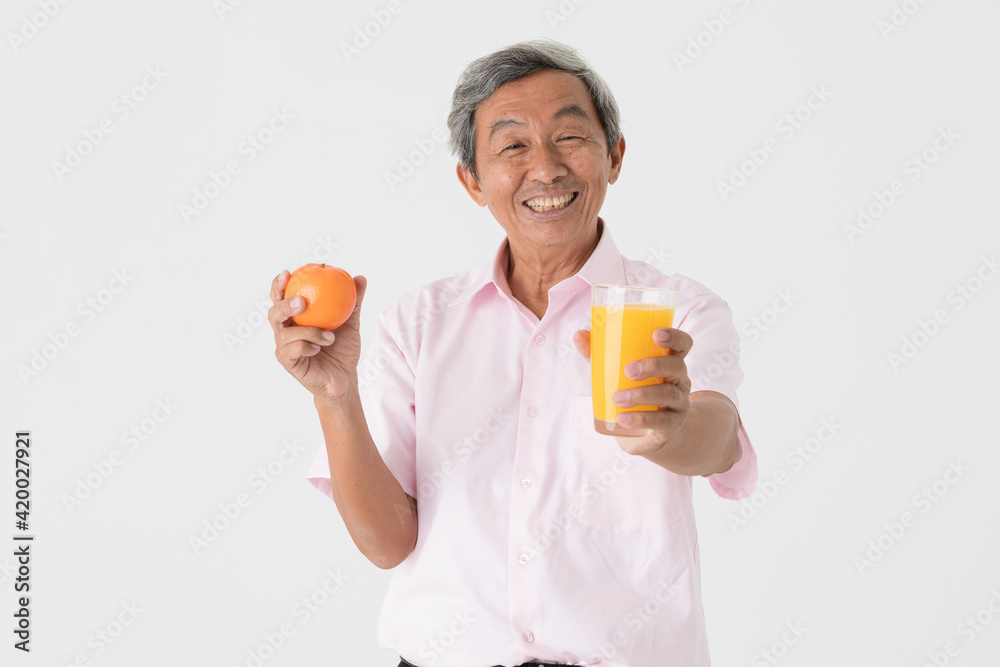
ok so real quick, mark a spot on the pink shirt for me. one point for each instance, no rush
(539, 539)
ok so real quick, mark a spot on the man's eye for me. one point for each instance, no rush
(513, 146)
(570, 137)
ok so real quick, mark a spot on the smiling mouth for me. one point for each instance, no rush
(543, 204)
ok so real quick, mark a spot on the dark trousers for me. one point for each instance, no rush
(403, 663)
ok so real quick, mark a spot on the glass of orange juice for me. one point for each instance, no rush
(623, 320)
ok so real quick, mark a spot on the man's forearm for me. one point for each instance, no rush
(706, 442)
(379, 515)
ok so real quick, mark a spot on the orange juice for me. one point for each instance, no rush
(621, 333)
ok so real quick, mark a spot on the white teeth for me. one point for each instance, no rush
(542, 204)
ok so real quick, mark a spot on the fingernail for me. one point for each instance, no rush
(314, 346)
(661, 336)
(295, 303)
(624, 418)
(631, 369)
(620, 396)
(328, 335)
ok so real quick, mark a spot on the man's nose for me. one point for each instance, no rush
(547, 164)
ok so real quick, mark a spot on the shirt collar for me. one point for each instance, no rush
(603, 267)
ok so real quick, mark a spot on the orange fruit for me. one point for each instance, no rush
(329, 292)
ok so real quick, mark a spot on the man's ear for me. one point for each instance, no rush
(617, 153)
(471, 184)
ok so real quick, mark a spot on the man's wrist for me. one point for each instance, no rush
(697, 447)
(327, 404)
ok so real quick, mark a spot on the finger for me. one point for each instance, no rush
(678, 342)
(289, 354)
(581, 339)
(361, 285)
(656, 420)
(279, 314)
(669, 368)
(278, 286)
(287, 335)
(662, 395)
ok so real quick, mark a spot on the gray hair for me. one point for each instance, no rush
(485, 75)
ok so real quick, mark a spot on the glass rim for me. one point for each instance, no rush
(632, 287)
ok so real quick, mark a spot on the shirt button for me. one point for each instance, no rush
(540, 339)
(525, 483)
(523, 559)
(529, 637)
(532, 411)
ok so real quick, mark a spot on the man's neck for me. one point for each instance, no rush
(531, 276)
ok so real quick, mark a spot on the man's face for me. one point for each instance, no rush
(542, 159)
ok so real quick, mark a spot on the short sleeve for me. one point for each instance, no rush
(386, 387)
(714, 365)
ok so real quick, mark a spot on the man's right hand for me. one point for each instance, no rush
(324, 362)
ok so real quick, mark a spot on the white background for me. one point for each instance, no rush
(184, 327)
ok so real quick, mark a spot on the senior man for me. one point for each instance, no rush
(464, 454)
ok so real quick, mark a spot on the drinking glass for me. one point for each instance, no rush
(623, 320)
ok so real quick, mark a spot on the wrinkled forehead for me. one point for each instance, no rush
(548, 94)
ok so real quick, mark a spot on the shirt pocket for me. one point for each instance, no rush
(610, 491)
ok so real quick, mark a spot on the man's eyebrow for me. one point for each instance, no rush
(502, 123)
(572, 110)
(568, 110)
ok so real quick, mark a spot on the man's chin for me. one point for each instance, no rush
(554, 231)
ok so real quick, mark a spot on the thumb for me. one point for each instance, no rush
(581, 339)
(361, 285)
